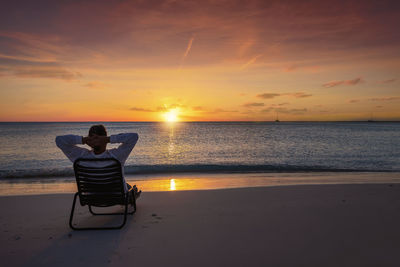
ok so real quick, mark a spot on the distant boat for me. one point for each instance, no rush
(372, 118)
(277, 119)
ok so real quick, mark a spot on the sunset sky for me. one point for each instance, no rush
(213, 60)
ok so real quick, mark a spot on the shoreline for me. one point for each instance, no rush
(308, 225)
(201, 181)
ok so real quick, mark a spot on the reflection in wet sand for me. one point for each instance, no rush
(172, 185)
(200, 181)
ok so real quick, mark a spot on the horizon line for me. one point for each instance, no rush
(97, 121)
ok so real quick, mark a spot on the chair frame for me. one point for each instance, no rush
(93, 190)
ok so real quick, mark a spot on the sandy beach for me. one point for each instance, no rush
(304, 225)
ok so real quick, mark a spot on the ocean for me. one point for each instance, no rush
(28, 150)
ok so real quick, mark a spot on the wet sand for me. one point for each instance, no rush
(199, 181)
(302, 225)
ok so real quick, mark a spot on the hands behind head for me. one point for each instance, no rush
(95, 141)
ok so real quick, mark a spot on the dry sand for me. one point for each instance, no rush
(306, 225)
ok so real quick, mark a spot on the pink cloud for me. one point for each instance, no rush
(50, 72)
(388, 81)
(343, 82)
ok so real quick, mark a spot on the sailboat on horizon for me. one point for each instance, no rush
(277, 119)
(371, 119)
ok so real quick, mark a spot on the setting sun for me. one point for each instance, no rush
(171, 115)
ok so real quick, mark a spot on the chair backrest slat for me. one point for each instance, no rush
(100, 175)
(99, 181)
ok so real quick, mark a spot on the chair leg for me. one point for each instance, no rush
(125, 213)
(72, 211)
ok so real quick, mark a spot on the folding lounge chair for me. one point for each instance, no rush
(102, 187)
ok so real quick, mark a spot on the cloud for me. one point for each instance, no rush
(141, 109)
(30, 67)
(291, 68)
(298, 95)
(95, 85)
(151, 32)
(272, 95)
(343, 82)
(163, 108)
(167, 107)
(269, 109)
(220, 110)
(302, 66)
(251, 61)
(197, 108)
(389, 98)
(189, 46)
(279, 105)
(293, 111)
(45, 72)
(267, 95)
(253, 104)
(388, 81)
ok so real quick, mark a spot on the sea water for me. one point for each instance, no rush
(29, 150)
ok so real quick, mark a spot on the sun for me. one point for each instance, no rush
(171, 115)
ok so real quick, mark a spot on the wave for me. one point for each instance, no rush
(191, 168)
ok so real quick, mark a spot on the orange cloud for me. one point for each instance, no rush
(298, 95)
(272, 95)
(141, 109)
(95, 85)
(293, 111)
(267, 95)
(253, 104)
(389, 98)
(197, 108)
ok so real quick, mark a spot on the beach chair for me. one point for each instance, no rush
(102, 187)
